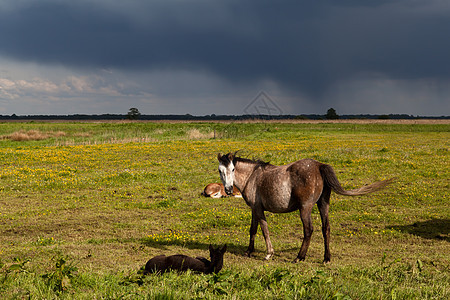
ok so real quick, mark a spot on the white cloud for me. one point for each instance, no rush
(11, 89)
(67, 87)
(80, 84)
(23, 90)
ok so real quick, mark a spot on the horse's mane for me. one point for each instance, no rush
(258, 162)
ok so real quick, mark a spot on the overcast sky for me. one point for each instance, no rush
(204, 57)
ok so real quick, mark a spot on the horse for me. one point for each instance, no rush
(182, 263)
(216, 190)
(287, 188)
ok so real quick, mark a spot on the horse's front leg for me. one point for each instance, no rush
(265, 230)
(253, 230)
(259, 217)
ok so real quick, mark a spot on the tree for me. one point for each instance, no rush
(331, 114)
(133, 114)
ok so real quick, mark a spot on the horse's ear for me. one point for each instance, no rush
(231, 156)
(219, 157)
(234, 155)
(211, 247)
(224, 248)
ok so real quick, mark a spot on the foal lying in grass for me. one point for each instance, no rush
(216, 190)
(179, 262)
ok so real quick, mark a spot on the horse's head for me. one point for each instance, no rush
(226, 171)
(217, 257)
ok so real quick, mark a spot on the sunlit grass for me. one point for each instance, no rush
(110, 196)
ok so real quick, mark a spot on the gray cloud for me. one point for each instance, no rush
(299, 44)
(305, 47)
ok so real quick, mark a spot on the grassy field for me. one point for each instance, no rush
(83, 206)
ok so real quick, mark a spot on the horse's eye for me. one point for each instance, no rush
(232, 170)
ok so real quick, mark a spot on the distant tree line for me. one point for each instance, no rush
(212, 117)
(135, 114)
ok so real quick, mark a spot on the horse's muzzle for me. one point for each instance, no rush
(229, 190)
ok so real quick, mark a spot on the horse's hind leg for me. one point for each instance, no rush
(324, 204)
(305, 215)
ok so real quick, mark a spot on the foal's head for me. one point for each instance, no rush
(217, 257)
(226, 171)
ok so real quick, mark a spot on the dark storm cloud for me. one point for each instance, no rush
(303, 45)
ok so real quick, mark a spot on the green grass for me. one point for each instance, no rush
(81, 212)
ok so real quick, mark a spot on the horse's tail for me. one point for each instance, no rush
(330, 179)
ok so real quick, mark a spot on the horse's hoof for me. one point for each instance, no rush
(326, 261)
(247, 254)
(268, 257)
(297, 259)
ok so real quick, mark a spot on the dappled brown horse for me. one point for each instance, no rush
(281, 189)
(179, 262)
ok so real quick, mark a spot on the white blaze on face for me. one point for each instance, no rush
(227, 176)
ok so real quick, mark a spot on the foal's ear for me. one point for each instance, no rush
(219, 157)
(224, 248)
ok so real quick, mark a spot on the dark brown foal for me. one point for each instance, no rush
(179, 262)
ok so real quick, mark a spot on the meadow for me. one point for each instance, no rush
(84, 205)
